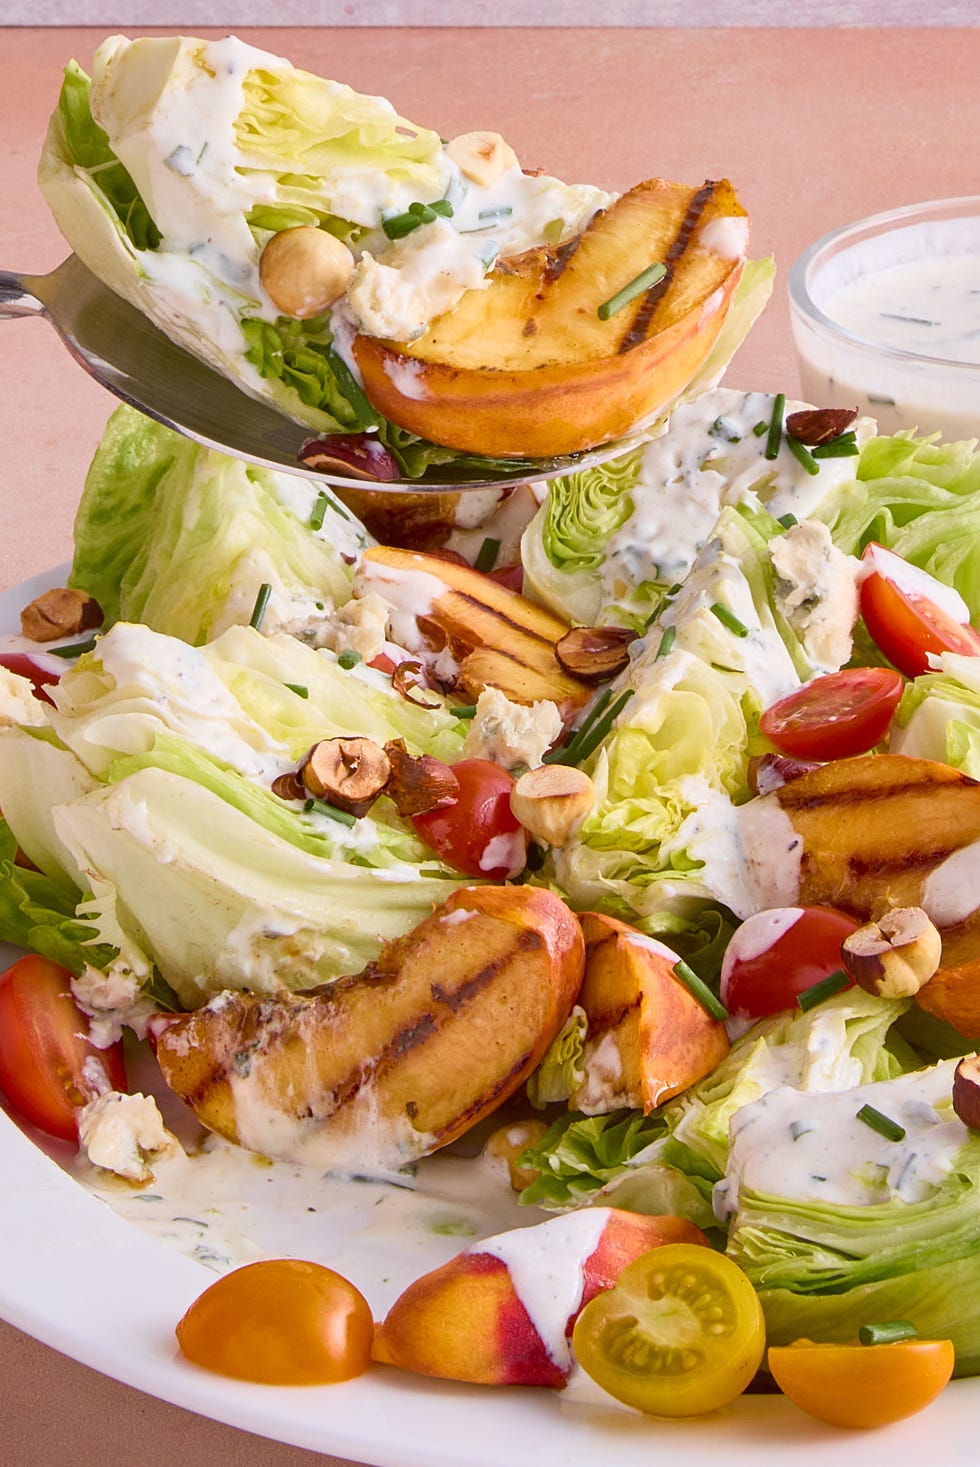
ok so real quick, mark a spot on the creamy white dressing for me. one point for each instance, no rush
(710, 456)
(813, 1148)
(751, 853)
(758, 933)
(908, 303)
(547, 1268)
(951, 891)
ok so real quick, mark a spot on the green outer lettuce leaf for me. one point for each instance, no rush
(919, 498)
(87, 148)
(36, 913)
(940, 1300)
(579, 1154)
(180, 537)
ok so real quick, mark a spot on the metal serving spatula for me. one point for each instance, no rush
(125, 352)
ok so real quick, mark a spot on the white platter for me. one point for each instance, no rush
(83, 1279)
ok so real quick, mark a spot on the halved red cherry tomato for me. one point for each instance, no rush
(681, 1332)
(44, 1047)
(836, 716)
(478, 833)
(281, 1322)
(862, 1385)
(777, 954)
(39, 676)
(906, 622)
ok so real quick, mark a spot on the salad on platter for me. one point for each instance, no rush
(616, 838)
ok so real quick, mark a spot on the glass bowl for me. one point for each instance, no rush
(886, 318)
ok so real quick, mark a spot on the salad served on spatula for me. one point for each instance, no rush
(368, 842)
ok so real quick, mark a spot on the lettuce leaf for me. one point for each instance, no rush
(939, 715)
(181, 538)
(579, 1154)
(38, 913)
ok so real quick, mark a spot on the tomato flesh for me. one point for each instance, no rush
(836, 716)
(778, 953)
(37, 675)
(907, 626)
(280, 1322)
(680, 1333)
(478, 833)
(862, 1385)
(44, 1047)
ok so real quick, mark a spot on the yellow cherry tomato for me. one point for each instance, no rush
(281, 1322)
(862, 1385)
(680, 1333)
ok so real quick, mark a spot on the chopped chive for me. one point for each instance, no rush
(776, 425)
(698, 989)
(504, 211)
(319, 512)
(647, 278)
(802, 455)
(724, 428)
(787, 521)
(843, 447)
(396, 226)
(666, 642)
(320, 807)
(729, 619)
(298, 689)
(465, 710)
(672, 590)
(602, 726)
(566, 754)
(760, 428)
(261, 605)
(75, 650)
(826, 988)
(884, 1125)
(349, 659)
(889, 1333)
(487, 557)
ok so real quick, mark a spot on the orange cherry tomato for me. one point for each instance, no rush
(280, 1322)
(862, 1385)
(907, 626)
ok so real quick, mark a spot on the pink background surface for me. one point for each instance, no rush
(815, 128)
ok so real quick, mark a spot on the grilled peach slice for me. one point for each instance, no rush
(498, 638)
(527, 366)
(648, 1037)
(477, 1318)
(378, 1069)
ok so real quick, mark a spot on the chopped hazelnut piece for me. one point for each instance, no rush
(418, 783)
(815, 426)
(966, 1091)
(595, 654)
(349, 774)
(61, 612)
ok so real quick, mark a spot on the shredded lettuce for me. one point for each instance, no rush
(560, 1071)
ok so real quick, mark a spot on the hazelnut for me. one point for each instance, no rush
(481, 156)
(509, 1143)
(966, 1091)
(304, 270)
(595, 654)
(814, 426)
(348, 773)
(61, 612)
(552, 801)
(418, 783)
(895, 956)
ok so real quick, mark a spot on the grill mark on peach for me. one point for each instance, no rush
(792, 797)
(517, 626)
(557, 259)
(640, 325)
(480, 1103)
(611, 1018)
(457, 998)
(901, 862)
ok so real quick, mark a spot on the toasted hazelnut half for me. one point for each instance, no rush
(418, 783)
(595, 654)
(289, 786)
(481, 156)
(347, 773)
(552, 801)
(304, 270)
(60, 612)
(508, 1143)
(895, 956)
(814, 426)
(966, 1091)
